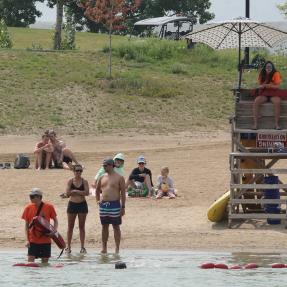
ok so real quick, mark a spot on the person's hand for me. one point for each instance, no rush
(27, 244)
(63, 195)
(142, 175)
(123, 211)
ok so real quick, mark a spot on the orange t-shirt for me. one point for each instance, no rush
(276, 79)
(47, 211)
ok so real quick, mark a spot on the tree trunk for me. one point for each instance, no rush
(59, 22)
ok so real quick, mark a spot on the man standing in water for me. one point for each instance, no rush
(112, 203)
(39, 244)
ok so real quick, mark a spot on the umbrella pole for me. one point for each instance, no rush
(239, 67)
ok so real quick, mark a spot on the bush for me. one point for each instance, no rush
(5, 39)
(149, 50)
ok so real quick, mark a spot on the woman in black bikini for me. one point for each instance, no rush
(77, 189)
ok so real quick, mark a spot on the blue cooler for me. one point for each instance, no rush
(272, 194)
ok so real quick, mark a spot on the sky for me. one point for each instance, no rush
(260, 10)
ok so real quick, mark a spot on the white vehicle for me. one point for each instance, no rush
(169, 27)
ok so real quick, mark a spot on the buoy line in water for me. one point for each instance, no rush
(210, 265)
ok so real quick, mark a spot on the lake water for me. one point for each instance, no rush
(144, 269)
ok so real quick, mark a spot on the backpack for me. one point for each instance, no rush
(21, 161)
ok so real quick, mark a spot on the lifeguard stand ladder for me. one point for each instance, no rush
(249, 164)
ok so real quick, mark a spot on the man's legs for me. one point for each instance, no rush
(105, 237)
(48, 160)
(67, 152)
(39, 160)
(31, 258)
(117, 236)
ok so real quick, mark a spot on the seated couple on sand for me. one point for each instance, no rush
(51, 152)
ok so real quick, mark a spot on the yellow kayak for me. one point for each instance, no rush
(217, 210)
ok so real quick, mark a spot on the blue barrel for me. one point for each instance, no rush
(272, 194)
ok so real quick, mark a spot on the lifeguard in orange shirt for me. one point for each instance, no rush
(269, 78)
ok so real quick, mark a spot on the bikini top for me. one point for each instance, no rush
(81, 187)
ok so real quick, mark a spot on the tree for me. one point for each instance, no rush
(69, 30)
(196, 9)
(111, 13)
(5, 39)
(283, 8)
(19, 13)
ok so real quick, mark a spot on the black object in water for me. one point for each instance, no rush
(120, 265)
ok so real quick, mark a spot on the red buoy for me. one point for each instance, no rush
(251, 266)
(235, 267)
(207, 265)
(19, 264)
(32, 264)
(278, 265)
(220, 266)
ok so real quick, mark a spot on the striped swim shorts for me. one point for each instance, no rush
(110, 212)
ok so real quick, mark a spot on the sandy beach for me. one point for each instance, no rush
(199, 165)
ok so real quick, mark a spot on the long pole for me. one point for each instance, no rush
(247, 15)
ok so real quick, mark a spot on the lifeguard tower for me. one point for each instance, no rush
(256, 191)
(256, 187)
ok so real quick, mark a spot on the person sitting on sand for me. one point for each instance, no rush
(141, 177)
(62, 157)
(165, 184)
(77, 189)
(39, 244)
(268, 78)
(43, 152)
(119, 161)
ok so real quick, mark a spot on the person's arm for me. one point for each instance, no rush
(56, 223)
(123, 196)
(68, 188)
(98, 190)
(37, 148)
(27, 233)
(81, 192)
(149, 172)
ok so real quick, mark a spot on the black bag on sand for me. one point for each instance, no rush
(21, 161)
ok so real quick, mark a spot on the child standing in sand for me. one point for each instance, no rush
(165, 184)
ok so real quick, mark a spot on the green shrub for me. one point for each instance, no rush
(149, 50)
(5, 39)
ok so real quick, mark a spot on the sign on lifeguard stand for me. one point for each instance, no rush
(271, 140)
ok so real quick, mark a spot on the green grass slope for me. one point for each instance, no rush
(157, 86)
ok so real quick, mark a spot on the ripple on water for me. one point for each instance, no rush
(144, 269)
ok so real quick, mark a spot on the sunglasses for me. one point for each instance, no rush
(33, 196)
(78, 170)
(141, 163)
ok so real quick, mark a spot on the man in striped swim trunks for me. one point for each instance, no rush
(111, 203)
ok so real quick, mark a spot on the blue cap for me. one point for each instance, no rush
(141, 159)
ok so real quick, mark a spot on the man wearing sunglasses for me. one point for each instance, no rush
(39, 244)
